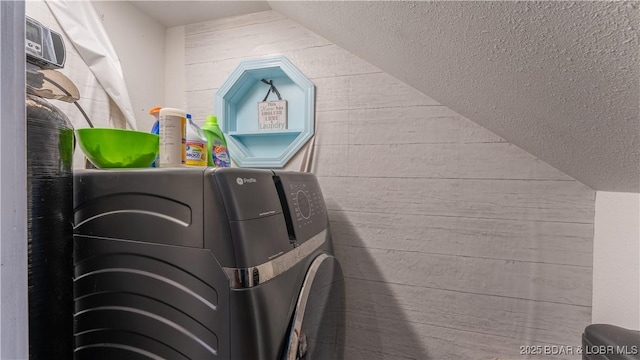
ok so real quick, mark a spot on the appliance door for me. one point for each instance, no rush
(317, 329)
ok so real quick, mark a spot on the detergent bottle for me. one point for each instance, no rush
(219, 154)
(196, 145)
(155, 112)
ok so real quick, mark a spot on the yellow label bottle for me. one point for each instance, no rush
(196, 151)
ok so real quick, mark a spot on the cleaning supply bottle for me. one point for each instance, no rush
(172, 137)
(196, 145)
(218, 153)
(155, 112)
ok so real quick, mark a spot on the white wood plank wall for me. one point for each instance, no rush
(455, 243)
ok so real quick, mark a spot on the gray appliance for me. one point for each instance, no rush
(610, 342)
(195, 263)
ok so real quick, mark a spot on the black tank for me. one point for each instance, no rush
(50, 145)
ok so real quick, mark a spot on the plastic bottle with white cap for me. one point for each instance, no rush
(196, 145)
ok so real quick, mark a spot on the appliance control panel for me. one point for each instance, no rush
(308, 205)
(307, 212)
(44, 47)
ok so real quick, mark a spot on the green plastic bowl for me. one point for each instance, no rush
(118, 148)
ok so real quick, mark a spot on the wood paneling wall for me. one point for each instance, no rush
(455, 243)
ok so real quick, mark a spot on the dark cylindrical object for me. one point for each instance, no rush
(50, 230)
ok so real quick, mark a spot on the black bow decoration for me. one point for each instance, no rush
(271, 88)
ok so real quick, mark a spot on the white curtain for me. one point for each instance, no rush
(81, 24)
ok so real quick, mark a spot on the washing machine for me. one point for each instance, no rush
(204, 263)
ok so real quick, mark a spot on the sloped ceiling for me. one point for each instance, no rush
(559, 79)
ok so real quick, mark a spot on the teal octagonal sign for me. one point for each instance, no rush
(236, 106)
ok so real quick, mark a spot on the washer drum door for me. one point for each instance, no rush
(318, 325)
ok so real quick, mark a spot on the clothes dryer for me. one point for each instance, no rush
(193, 263)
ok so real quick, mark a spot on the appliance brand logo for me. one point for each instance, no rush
(242, 181)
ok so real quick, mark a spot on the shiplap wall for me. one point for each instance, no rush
(455, 243)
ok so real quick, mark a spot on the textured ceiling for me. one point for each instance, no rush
(559, 79)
